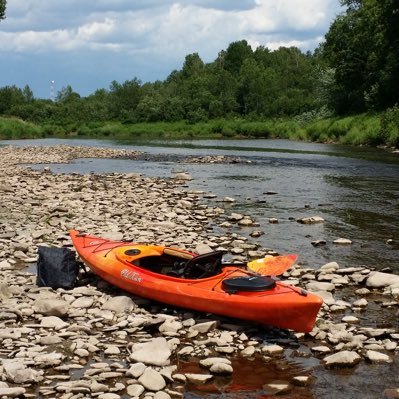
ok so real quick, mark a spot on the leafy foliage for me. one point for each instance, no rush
(3, 4)
(362, 46)
(239, 83)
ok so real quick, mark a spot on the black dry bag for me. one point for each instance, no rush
(56, 267)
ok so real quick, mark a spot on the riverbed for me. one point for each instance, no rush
(257, 190)
(355, 191)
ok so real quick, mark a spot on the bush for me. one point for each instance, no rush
(389, 128)
(12, 128)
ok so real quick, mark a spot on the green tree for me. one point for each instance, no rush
(28, 94)
(224, 88)
(193, 65)
(10, 96)
(66, 94)
(124, 99)
(96, 106)
(3, 4)
(362, 47)
(235, 55)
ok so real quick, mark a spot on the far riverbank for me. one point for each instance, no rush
(380, 129)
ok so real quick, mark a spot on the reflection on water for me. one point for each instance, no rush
(358, 198)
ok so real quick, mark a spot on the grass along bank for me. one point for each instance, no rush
(364, 129)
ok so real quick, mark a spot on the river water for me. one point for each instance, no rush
(356, 191)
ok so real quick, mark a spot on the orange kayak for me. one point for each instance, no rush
(198, 282)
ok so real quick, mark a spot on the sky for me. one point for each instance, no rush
(49, 44)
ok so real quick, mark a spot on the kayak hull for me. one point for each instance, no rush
(119, 263)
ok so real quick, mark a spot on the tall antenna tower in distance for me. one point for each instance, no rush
(52, 93)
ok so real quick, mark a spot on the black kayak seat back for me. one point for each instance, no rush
(248, 284)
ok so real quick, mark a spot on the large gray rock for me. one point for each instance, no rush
(152, 380)
(119, 304)
(381, 280)
(17, 372)
(51, 307)
(155, 352)
(49, 359)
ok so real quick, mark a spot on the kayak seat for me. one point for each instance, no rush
(202, 266)
(248, 284)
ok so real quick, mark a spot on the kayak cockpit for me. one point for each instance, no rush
(172, 262)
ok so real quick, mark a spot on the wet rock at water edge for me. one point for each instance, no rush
(277, 387)
(311, 220)
(342, 359)
(342, 241)
(319, 243)
(377, 357)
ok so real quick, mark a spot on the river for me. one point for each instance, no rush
(356, 191)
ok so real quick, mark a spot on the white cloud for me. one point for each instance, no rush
(151, 37)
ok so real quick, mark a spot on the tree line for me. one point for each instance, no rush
(355, 70)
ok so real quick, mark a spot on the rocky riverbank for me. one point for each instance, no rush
(95, 341)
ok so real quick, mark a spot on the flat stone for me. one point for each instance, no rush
(277, 387)
(198, 378)
(162, 395)
(342, 359)
(205, 327)
(152, 380)
(272, 350)
(53, 322)
(135, 390)
(377, 357)
(119, 304)
(381, 280)
(109, 396)
(301, 380)
(311, 220)
(136, 370)
(51, 307)
(155, 352)
(342, 241)
(12, 392)
(83, 302)
(320, 286)
(221, 369)
(210, 361)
